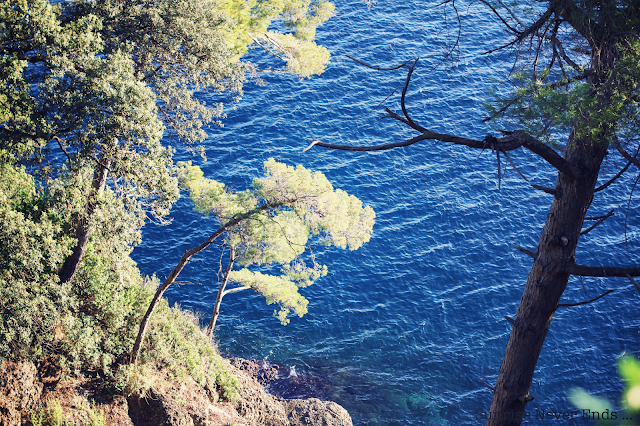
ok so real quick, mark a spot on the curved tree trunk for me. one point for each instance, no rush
(135, 352)
(221, 293)
(546, 282)
(83, 231)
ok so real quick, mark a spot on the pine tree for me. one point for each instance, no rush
(572, 98)
(271, 225)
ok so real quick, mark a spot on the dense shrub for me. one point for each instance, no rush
(89, 324)
(32, 302)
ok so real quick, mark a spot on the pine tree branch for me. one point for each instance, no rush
(558, 84)
(602, 271)
(544, 189)
(233, 290)
(613, 179)
(524, 250)
(487, 385)
(624, 153)
(565, 305)
(508, 142)
(180, 266)
(600, 220)
(635, 284)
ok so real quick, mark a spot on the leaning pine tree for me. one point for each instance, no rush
(271, 225)
(573, 97)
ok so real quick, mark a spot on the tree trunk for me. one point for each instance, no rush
(83, 230)
(223, 284)
(546, 282)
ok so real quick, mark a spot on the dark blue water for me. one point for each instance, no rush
(405, 327)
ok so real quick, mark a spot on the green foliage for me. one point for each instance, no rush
(90, 326)
(174, 349)
(52, 414)
(177, 48)
(253, 18)
(594, 97)
(32, 302)
(100, 82)
(629, 370)
(274, 289)
(300, 204)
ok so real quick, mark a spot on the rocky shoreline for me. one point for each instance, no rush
(260, 402)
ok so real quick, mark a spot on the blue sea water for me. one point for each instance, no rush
(406, 327)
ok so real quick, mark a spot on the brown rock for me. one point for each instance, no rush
(315, 412)
(20, 390)
(158, 410)
(255, 404)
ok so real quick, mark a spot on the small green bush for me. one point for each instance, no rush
(52, 414)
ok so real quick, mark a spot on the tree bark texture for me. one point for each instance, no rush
(83, 230)
(546, 282)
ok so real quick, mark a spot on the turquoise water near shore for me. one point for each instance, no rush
(404, 328)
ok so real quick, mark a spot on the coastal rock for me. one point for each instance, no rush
(258, 406)
(20, 390)
(184, 403)
(255, 404)
(314, 412)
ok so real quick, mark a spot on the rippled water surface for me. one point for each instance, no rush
(405, 327)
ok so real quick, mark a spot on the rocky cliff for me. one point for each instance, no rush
(81, 398)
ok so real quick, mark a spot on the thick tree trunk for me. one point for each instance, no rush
(83, 231)
(546, 282)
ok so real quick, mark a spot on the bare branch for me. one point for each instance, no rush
(558, 44)
(404, 64)
(57, 139)
(613, 179)
(524, 250)
(154, 72)
(513, 15)
(499, 176)
(565, 305)
(487, 385)
(506, 154)
(635, 284)
(624, 153)
(404, 93)
(511, 320)
(495, 12)
(266, 49)
(377, 106)
(600, 220)
(508, 142)
(602, 271)
(526, 33)
(544, 188)
(626, 215)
